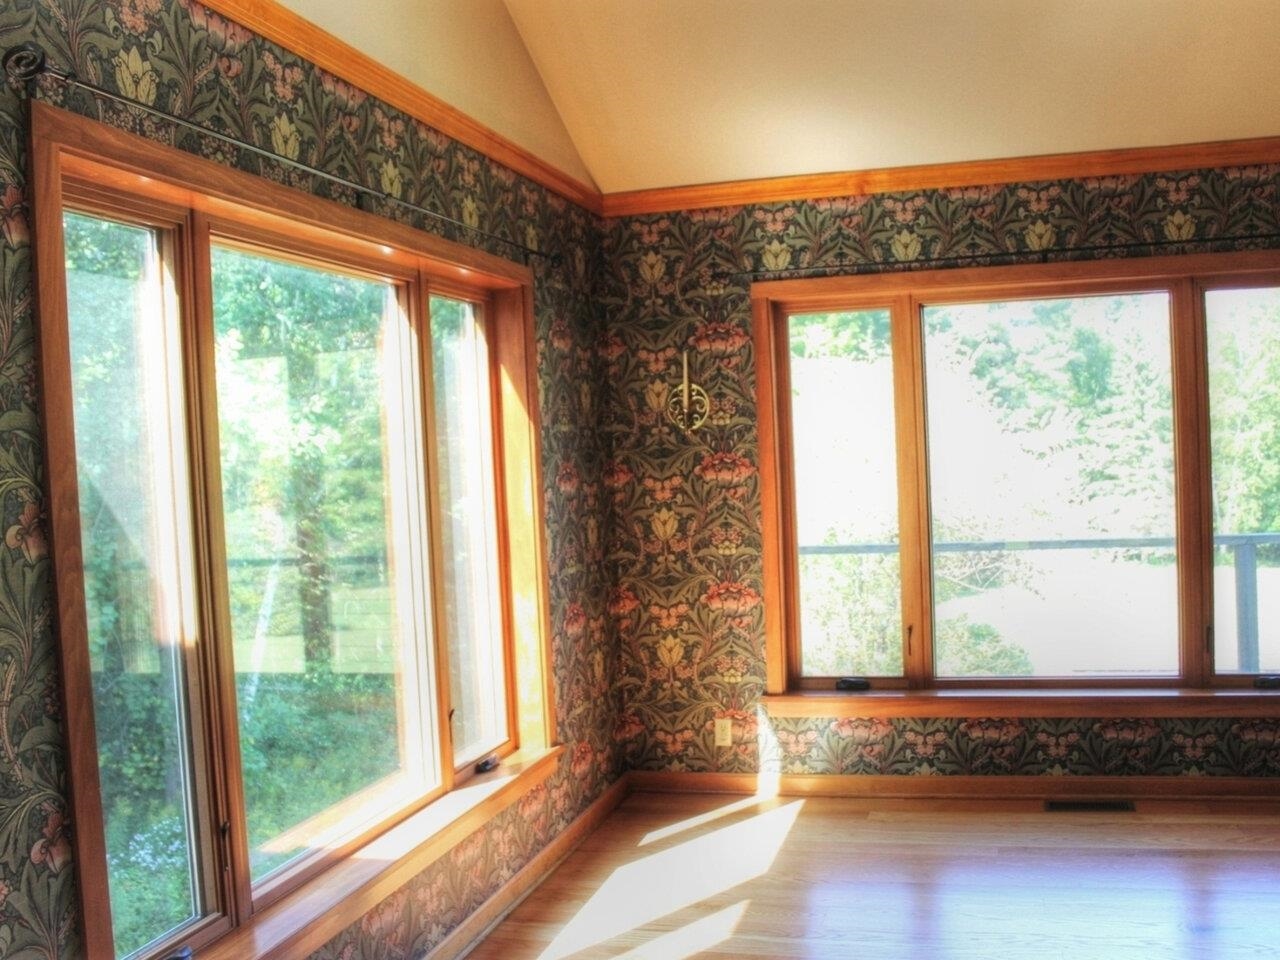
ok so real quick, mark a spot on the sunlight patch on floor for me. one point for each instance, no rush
(673, 879)
(702, 819)
(692, 938)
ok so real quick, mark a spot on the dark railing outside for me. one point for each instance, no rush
(1243, 546)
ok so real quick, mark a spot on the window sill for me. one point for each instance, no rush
(299, 924)
(1111, 702)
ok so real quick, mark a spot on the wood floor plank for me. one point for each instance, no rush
(676, 877)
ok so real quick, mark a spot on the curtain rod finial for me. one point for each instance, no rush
(23, 62)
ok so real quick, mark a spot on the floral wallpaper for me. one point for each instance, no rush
(1031, 747)
(685, 538)
(193, 63)
(654, 537)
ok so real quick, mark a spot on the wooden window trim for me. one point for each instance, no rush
(1196, 690)
(116, 174)
(1065, 702)
(295, 926)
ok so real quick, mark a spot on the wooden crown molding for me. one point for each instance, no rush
(974, 173)
(282, 26)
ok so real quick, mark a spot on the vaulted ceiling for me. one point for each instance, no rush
(639, 94)
(660, 93)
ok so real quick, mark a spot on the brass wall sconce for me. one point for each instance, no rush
(688, 406)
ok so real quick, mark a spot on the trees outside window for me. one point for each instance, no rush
(998, 476)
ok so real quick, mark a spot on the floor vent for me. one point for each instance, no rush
(1089, 806)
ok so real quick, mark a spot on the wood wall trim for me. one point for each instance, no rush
(994, 702)
(282, 26)
(493, 911)
(1097, 163)
(891, 786)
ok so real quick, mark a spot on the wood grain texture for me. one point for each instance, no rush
(988, 787)
(1098, 703)
(282, 26)
(1099, 163)
(703, 876)
(775, 494)
(53, 344)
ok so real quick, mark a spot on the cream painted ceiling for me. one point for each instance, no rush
(659, 93)
(464, 52)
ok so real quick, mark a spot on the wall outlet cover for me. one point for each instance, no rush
(724, 732)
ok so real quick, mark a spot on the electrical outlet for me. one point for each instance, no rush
(724, 732)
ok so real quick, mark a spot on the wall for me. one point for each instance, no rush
(685, 543)
(680, 595)
(178, 56)
(466, 52)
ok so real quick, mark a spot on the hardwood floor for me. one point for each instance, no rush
(669, 877)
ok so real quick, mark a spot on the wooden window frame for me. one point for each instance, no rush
(88, 167)
(1195, 690)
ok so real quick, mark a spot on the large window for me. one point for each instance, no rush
(293, 536)
(1023, 477)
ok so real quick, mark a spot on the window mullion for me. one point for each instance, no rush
(220, 661)
(436, 614)
(1192, 482)
(205, 711)
(913, 492)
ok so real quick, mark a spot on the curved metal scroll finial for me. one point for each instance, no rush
(23, 62)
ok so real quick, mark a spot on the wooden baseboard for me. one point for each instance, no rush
(466, 935)
(956, 787)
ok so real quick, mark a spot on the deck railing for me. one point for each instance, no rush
(1243, 547)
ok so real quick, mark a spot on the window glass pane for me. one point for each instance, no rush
(135, 539)
(846, 494)
(1244, 426)
(316, 423)
(1051, 464)
(468, 541)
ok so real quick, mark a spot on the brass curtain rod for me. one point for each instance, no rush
(25, 62)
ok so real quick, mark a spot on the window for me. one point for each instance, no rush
(297, 552)
(1017, 477)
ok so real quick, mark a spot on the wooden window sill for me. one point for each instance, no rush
(299, 924)
(1108, 702)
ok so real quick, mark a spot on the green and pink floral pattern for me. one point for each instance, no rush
(685, 531)
(654, 535)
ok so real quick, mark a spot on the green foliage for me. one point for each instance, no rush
(851, 334)
(310, 741)
(1244, 407)
(1083, 381)
(966, 649)
(313, 741)
(303, 470)
(852, 622)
